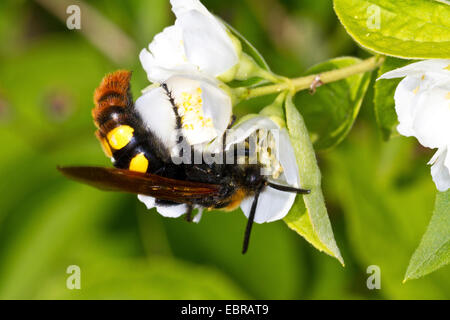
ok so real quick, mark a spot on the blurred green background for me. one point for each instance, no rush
(379, 195)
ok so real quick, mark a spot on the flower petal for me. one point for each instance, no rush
(431, 124)
(157, 114)
(197, 42)
(272, 204)
(181, 6)
(217, 106)
(440, 170)
(288, 160)
(437, 66)
(198, 216)
(244, 129)
(166, 56)
(147, 200)
(171, 211)
(447, 159)
(206, 42)
(405, 98)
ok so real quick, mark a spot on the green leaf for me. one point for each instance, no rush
(434, 249)
(417, 29)
(384, 97)
(316, 226)
(275, 110)
(248, 47)
(330, 113)
(299, 221)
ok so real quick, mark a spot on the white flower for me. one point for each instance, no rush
(422, 103)
(173, 211)
(204, 108)
(197, 42)
(169, 211)
(272, 204)
(440, 169)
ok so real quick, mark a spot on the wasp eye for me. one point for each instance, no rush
(252, 176)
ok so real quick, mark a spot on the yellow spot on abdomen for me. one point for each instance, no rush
(139, 163)
(120, 136)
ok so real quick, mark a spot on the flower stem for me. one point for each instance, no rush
(302, 83)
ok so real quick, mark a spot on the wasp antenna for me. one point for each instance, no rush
(288, 188)
(251, 218)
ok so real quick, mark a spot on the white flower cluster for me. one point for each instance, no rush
(422, 103)
(192, 58)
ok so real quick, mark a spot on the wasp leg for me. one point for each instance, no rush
(189, 213)
(251, 218)
(224, 138)
(174, 106)
(233, 120)
(179, 123)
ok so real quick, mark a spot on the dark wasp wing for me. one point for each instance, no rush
(113, 179)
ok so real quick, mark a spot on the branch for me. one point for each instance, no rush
(302, 83)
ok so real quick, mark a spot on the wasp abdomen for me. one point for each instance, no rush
(118, 125)
(112, 98)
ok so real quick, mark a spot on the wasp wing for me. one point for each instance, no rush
(113, 179)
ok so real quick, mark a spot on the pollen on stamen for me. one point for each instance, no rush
(191, 110)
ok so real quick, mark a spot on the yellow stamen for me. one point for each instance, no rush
(416, 90)
(191, 110)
